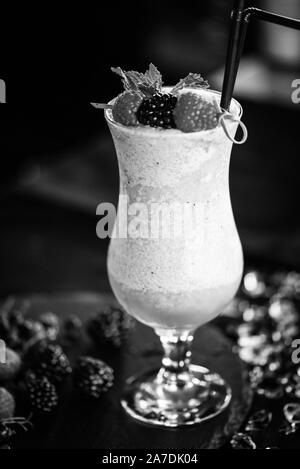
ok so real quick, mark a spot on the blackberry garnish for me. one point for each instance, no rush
(92, 376)
(157, 111)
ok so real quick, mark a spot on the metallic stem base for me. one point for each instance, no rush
(149, 399)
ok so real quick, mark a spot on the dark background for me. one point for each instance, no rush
(57, 160)
(57, 59)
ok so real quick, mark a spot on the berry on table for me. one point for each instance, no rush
(194, 113)
(157, 111)
(42, 393)
(48, 360)
(111, 326)
(92, 377)
(17, 331)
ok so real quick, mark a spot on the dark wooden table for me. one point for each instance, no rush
(103, 424)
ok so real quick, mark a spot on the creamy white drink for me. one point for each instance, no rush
(184, 281)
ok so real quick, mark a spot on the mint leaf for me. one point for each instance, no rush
(129, 82)
(137, 77)
(154, 76)
(193, 80)
(147, 83)
(118, 71)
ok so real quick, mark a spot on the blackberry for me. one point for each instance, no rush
(110, 326)
(92, 376)
(17, 331)
(48, 360)
(42, 393)
(157, 111)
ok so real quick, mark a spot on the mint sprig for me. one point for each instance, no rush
(147, 83)
(150, 82)
(128, 83)
(193, 80)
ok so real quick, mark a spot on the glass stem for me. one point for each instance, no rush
(176, 360)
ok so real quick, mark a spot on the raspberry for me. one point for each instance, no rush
(92, 376)
(125, 108)
(194, 113)
(110, 326)
(157, 111)
(42, 393)
(48, 360)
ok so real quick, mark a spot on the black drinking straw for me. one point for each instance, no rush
(234, 55)
(263, 15)
(232, 52)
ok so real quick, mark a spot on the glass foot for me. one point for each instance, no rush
(201, 396)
